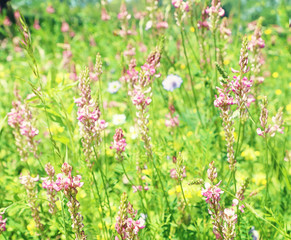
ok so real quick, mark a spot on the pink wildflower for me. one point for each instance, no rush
(65, 27)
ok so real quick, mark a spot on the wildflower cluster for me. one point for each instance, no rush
(48, 184)
(214, 11)
(104, 14)
(126, 226)
(277, 121)
(142, 93)
(20, 118)
(255, 46)
(223, 102)
(2, 223)
(89, 114)
(181, 9)
(119, 143)
(29, 183)
(68, 184)
(223, 220)
(172, 119)
(124, 16)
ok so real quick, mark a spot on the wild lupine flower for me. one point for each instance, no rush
(124, 16)
(241, 86)
(172, 82)
(49, 185)
(17, 14)
(67, 57)
(2, 223)
(142, 93)
(181, 8)
(230, 219)
(89, 114)
(119, 143)
(130, 51)
(7, 22)
(113, 87)
(223, 102)
(68, 184)
(277, 121)
(118, 119)
(215, 11)
(223, 220)
(126, 226)
(162, 25)
(20, 118)
(65, 27)
(240, 195)
(50, 9)
(180, 168)
(104, 14)
(31, 191)
(131, 76)
(225, 34)
(73, 75)
(171, 120)
(255, 46)
(36, 24)
(203, 24)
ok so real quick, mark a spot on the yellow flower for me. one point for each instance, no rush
(259, 179)
(198, 86)
(249, 154)
(100, 225)
(288, 108)
(82, 193)
(31, 227)
(226, 61)
(275, 75)
(146, 171)
(183, 66)
(189, 134)
(257, 153)
(268, 31)
(59, 78)
(249, 37)
(58, 204)
(260, 97)
(192, 29)
(289, 84)
(278, 92)
(235, 136)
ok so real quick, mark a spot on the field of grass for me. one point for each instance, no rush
(145, 120)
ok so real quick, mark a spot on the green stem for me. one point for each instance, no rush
(105, 188)
(191, 78)
(63, 216)
(139, 193)
(267, 170)
(100, 203)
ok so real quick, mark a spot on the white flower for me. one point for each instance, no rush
(133, 132)
(149, 25)
(113, 87)
(118, 119)
(172, 82)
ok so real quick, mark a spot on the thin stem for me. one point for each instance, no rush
(100, 203)
(144, 208)
(191, 78)
(267, 169)
(63, 216)
(105, 188)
